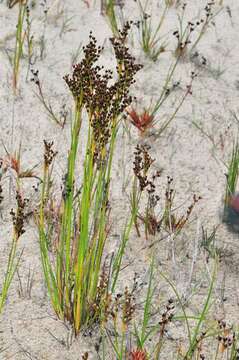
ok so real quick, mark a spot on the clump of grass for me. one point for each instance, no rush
(23, 37)
(73, 275)
(143, 182)
(24, 292)
(150, 40)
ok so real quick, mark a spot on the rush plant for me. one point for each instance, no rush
(72, 272)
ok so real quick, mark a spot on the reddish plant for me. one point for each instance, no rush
(141, 121)
(14, 162)
(138, 355)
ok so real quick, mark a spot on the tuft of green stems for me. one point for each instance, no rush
(149, 37)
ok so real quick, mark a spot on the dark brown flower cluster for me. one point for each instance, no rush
(91, 87)
(166, 316)
(208, 9)
(85, 356)
(200, 348)
(19, 216)
(122, 306)
(141, 165)
(128, 307)
(85, 74)
(103, 299)
(49, 153)
(226, 338)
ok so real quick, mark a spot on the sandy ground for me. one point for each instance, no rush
(28, 327)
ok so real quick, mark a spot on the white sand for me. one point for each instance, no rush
(196, 163)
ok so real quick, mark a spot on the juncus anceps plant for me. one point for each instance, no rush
(72, 276)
